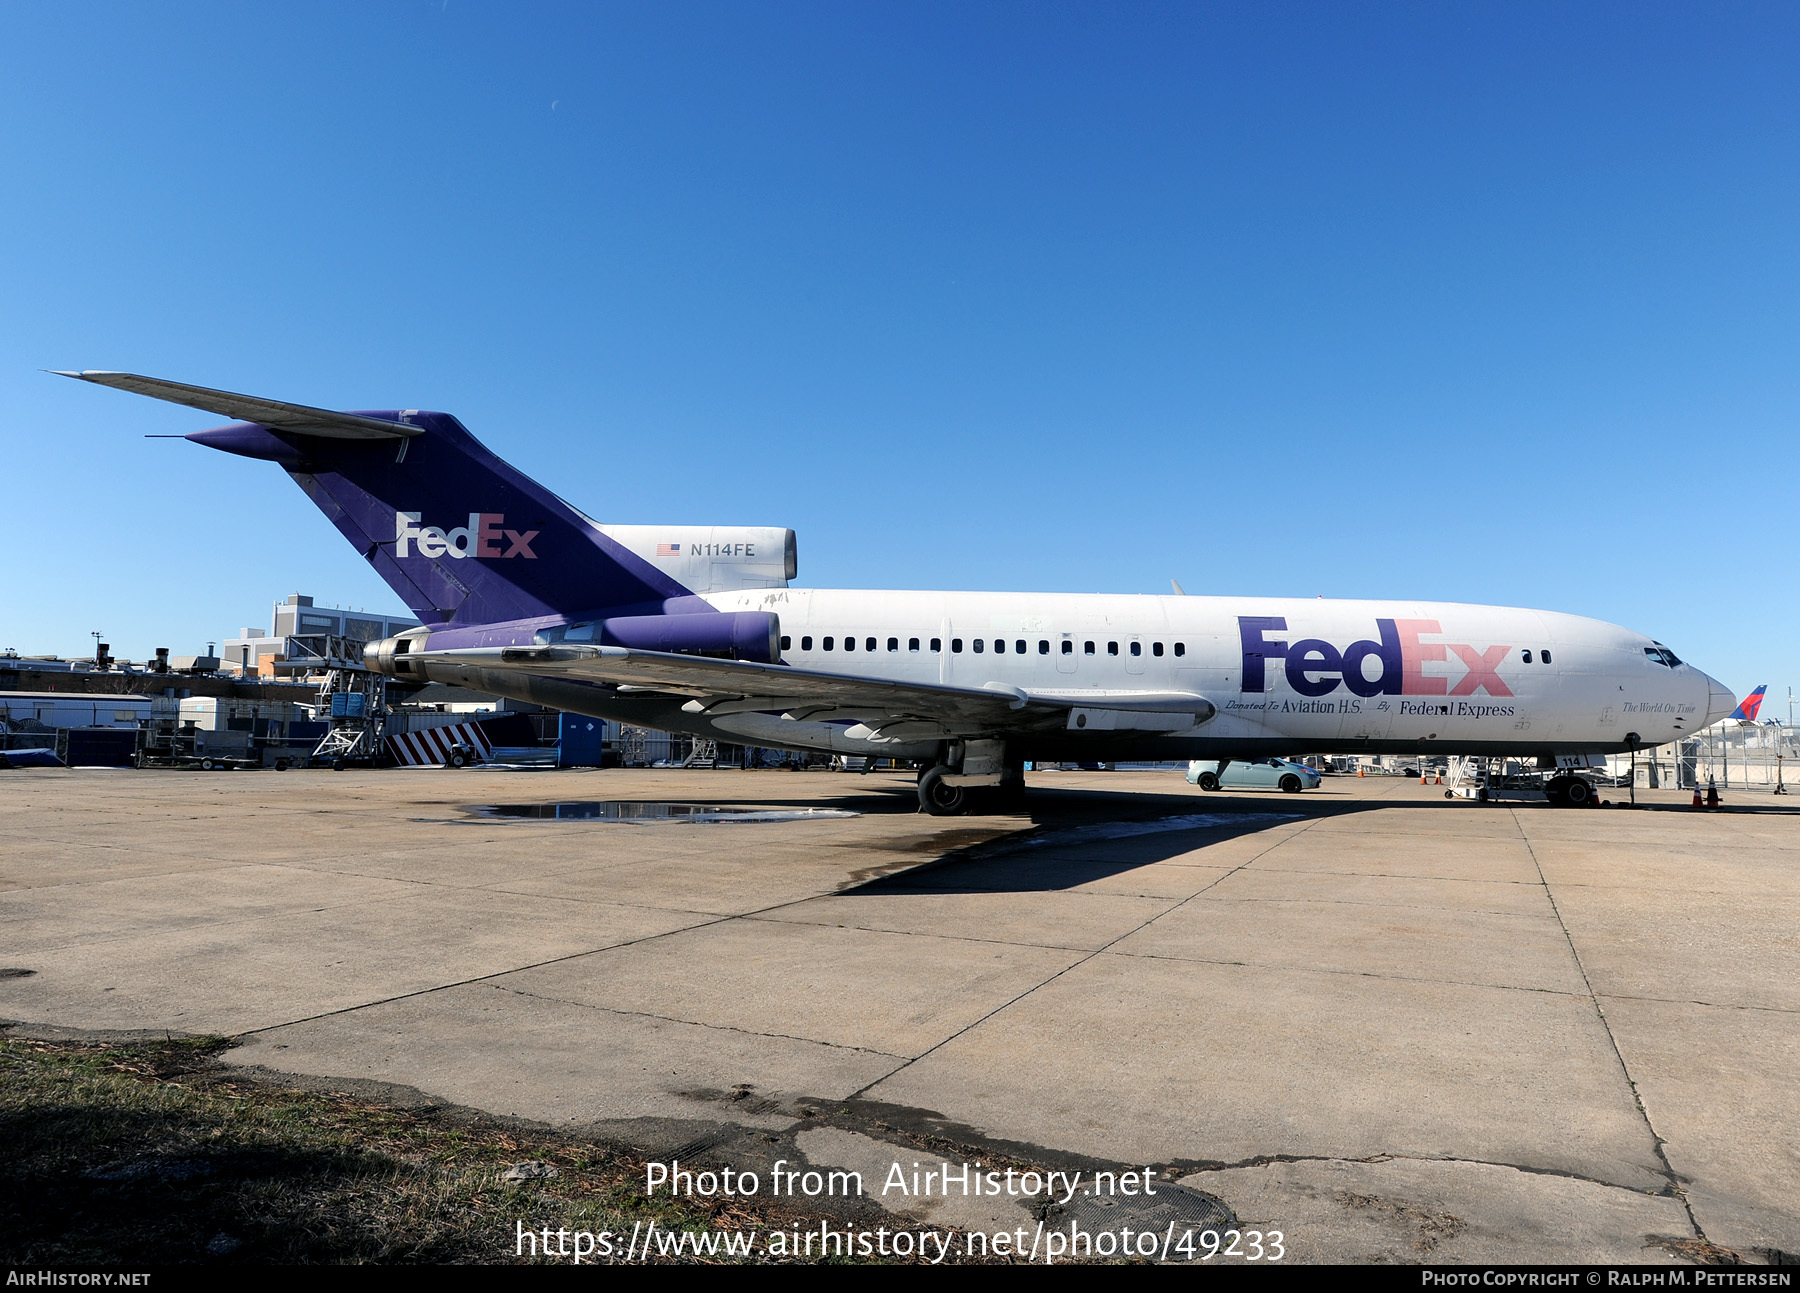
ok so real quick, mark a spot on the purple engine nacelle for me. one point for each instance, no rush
(731, 635)
(728, 635)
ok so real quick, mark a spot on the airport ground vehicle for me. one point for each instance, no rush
(1252, 774)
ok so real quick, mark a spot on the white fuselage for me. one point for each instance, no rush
(1288, 674)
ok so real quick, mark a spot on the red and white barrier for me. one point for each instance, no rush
(431, 747)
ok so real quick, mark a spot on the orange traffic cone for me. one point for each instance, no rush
(1360, 772)
(1440, 779)
(1712, 794)
(1422, 775)
(1697, 803)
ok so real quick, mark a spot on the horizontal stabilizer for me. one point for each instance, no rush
(297, 418)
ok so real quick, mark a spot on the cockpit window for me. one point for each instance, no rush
(1662, 655)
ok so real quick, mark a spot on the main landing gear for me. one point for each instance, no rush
(980, 777)
(938, 797)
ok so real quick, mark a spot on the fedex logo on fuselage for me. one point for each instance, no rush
(481, 537)
(1315, 667)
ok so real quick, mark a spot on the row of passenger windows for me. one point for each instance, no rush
(1544, 655)
(1020, 646)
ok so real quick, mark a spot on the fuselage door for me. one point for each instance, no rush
(1135, 651)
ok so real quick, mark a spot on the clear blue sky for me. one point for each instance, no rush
(1480, 302)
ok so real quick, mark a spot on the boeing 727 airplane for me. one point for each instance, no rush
(696, 630)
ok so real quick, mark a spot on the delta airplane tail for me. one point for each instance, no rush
(461, 536)
(1751, 705)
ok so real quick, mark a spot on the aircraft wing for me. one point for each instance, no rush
(896, 709)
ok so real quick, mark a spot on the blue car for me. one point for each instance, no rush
(1252, 774)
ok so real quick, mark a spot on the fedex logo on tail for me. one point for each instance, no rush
(481, 537)
(1315, 667)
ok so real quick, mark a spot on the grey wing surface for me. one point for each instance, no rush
(895, 709)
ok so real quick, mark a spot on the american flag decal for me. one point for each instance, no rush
(668, 549)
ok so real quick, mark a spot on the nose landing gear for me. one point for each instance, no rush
(1569, 792)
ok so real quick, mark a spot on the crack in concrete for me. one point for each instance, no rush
(694, 1023)
(1348, 974)
(914, 933)
(1005, 1005)
(534, 965)
(1384, 906)
(1637, 1097)
(1710, 1005)
(1668, 1191)
(479, 978)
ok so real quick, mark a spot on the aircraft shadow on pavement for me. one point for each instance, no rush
(1078, 837)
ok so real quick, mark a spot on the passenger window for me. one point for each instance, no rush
(828, 642)
(1181, 648)
(955, 646)
(1043, 646)
(894, 644)
(999, 646)
(849, 644)
(1544, 655)
(1112, 648)
(912, 644)
(1068, 647)
(980, 645)
(1156, 648)
(1526, 655)
(1087, 648)
(1137, 648)
(1019, 646)
(786, 642)
(937, 644)
(806, 644)
(869, 644)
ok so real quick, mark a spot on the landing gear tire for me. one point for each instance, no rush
(1556, 791)
(1578, 793)
(939, 798)
(1208, 781)
(1290, 784)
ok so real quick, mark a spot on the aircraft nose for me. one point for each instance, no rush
(1719, 701)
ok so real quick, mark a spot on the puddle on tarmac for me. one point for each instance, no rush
(651, 814)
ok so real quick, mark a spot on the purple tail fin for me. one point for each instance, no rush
(461, 536)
